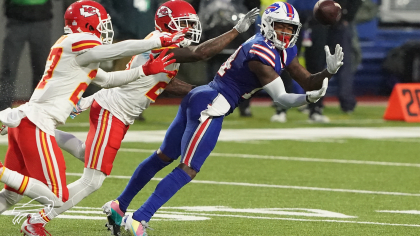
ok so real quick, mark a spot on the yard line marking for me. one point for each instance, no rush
(276, 186)
(304, 159)
(305, 220)
(412, 212)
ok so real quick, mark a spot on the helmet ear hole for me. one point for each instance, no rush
(167, 27)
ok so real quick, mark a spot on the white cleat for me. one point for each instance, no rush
(318, 118)
(3, 130)
(135, 227)
(29, 229)
(281, 117)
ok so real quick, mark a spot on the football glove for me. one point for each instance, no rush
(76, 110)
(245, 22)
(3, 130)
(315, 95)
(158, 64)
(168, 40)
(334, 62)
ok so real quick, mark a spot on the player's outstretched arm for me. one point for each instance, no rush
(127, 48)
(151, 67)
(310, 81)
(178, 87)
(213, 46)
(273, 85)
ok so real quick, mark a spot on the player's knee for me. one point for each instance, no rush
(190, 171)
(163, 156)
(93, 179)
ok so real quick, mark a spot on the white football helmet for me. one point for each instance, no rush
(285, 13)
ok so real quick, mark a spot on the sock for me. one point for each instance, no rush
(142, 175)
(163, 192)
(30, 187)
(90, 181)
(8, 199)
(69, 143)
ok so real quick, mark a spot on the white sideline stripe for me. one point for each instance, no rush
(275, 186)
(316, 133)
(304, 159)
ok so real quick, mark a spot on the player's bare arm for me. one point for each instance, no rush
(178, 87)
(213, 46)
(265, 74)
(310, 81)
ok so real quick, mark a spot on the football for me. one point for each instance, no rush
(327, 12)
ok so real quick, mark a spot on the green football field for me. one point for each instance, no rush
(358, 175)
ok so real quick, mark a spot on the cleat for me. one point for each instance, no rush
(114, 217)
(29, 229)
(3, 130)
(280, 118)
(135, 227)
(318, 118)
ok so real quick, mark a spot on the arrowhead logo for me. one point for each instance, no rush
(88, 11)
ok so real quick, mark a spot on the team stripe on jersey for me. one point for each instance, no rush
(101, 139)
(263, 56)
(266, 50)
(23, 185)
(158, 50)
(195, 140)
(85, 44)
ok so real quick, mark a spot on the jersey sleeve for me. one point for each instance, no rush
(262, 53)
(291, 54)
(83, 42)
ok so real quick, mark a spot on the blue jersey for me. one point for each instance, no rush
(236, 82)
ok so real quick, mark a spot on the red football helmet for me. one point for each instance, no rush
(174, 15)
(89, 16)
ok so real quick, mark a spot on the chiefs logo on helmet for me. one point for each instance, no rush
(164, 11)
(87, 11)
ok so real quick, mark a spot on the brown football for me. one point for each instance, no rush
(327, 12)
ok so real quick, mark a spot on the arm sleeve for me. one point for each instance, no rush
(285, 100)
(115, 51)
(117, 78)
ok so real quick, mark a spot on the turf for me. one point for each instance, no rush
(267, 194)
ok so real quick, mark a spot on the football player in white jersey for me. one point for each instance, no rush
(34, 164)
(113, 110)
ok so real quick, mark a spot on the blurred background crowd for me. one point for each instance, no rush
(380, 38)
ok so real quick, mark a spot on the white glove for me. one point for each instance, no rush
(3, 130)
(334, 62)
(245, 22)
(185, 43)
(314, 96)
(82, 105)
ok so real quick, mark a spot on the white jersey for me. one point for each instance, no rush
(71, 66)
(63, 82)
(129, 101)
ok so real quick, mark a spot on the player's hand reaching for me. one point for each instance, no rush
(334, 62)
(168, 40)
(245, 22)
(314, 96)
(3, 130)
(158, 64)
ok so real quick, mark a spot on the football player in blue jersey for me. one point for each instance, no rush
(257, 64)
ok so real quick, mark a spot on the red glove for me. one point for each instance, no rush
(154, 66)
(168, 40)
